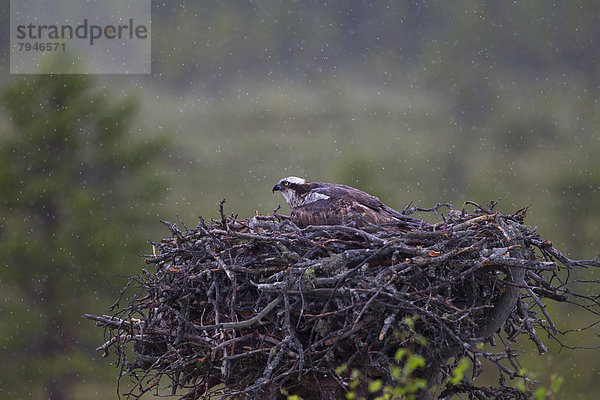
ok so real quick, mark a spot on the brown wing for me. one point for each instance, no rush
(346, 204)
(321, 212)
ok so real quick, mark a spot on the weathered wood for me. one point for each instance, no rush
(258, 307)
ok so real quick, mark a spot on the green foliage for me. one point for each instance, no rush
(75, 191)
(291, 396)
(526, 379)
(543, 393)
(458, 372)
(375, 386)
(406, 383)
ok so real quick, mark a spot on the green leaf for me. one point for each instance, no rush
(459, 371)
(540, 393)
(400, 354)
(396, 372)
(375, 386)
(520, 385)
(557, 382)
(414, 362)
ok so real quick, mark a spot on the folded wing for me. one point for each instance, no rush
(344, 204)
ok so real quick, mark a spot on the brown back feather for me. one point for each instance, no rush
(346, 204)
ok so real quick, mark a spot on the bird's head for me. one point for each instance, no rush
(293, 189)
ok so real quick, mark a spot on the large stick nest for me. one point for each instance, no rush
(258, 305)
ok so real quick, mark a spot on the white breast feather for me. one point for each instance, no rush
(312, 197)
(292, 198)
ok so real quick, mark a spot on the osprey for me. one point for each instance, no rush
(316, 203)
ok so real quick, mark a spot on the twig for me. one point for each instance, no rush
(222, 213)
(256, 305)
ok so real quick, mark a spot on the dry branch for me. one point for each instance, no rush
(259, 305)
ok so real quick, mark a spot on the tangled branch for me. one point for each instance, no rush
(259, 306)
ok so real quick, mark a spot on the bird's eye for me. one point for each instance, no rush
(286, 183)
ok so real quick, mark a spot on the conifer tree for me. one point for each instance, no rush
(75, 183)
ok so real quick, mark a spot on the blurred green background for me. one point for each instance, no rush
(424, 101)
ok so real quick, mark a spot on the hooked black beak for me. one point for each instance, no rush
(277, 187)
